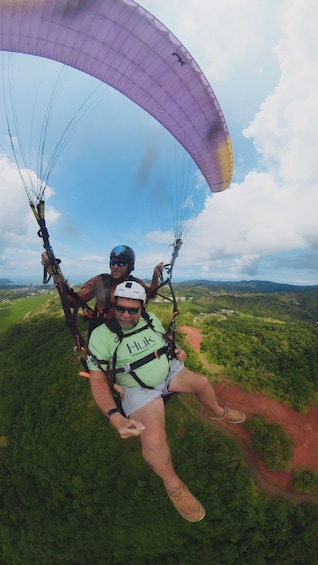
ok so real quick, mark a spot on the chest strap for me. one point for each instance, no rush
(130, 367)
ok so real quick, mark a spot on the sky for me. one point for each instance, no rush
(106, 187)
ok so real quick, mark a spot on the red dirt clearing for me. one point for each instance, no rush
(303, 428)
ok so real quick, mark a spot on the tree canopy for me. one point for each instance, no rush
(72, 492)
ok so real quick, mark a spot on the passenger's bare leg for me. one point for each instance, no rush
(155, 449)
(188, 381)
(156, 453)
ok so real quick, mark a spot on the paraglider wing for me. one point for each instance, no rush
(123, 45)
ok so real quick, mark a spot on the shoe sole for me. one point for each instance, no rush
(185, 516)
(222, 419)
(189, 519)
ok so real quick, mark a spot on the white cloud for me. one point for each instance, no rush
(219, 34)
(261, 59)
(233, 43)
(160, 237)
(273, 211)
(15, 216)
(284, 131)
(17, 223)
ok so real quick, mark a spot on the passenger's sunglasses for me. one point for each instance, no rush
(130, 311)
(118, 262)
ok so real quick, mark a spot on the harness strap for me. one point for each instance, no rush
(138, 380)
(132, 366)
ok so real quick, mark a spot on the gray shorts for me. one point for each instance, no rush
(137, 397)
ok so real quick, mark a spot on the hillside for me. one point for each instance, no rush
(257, 298)
(303, 458)
(245, 286)
(69, 485)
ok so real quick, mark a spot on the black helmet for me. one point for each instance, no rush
(123, 252)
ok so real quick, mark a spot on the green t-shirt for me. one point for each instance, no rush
(103, 343)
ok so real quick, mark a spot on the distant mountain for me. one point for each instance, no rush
(259, 298)
(5, 281)
(244, 286)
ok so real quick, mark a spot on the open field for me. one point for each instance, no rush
(13, 311)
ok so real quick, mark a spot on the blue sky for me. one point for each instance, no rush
(111, 184)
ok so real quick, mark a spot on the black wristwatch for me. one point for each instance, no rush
(112, 411)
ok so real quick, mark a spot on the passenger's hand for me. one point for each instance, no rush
(180, 354)
(128, 428)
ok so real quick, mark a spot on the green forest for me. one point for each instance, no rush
(73, 493)
(280, 359)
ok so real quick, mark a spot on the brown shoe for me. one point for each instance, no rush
(230, 415)
(186, 504)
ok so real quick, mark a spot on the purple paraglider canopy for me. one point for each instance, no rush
(123, 45)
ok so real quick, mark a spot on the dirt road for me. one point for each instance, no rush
(303, 428)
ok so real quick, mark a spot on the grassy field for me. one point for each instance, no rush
(13, 311)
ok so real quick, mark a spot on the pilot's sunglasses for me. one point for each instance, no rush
(130, 311)
(118, 262)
